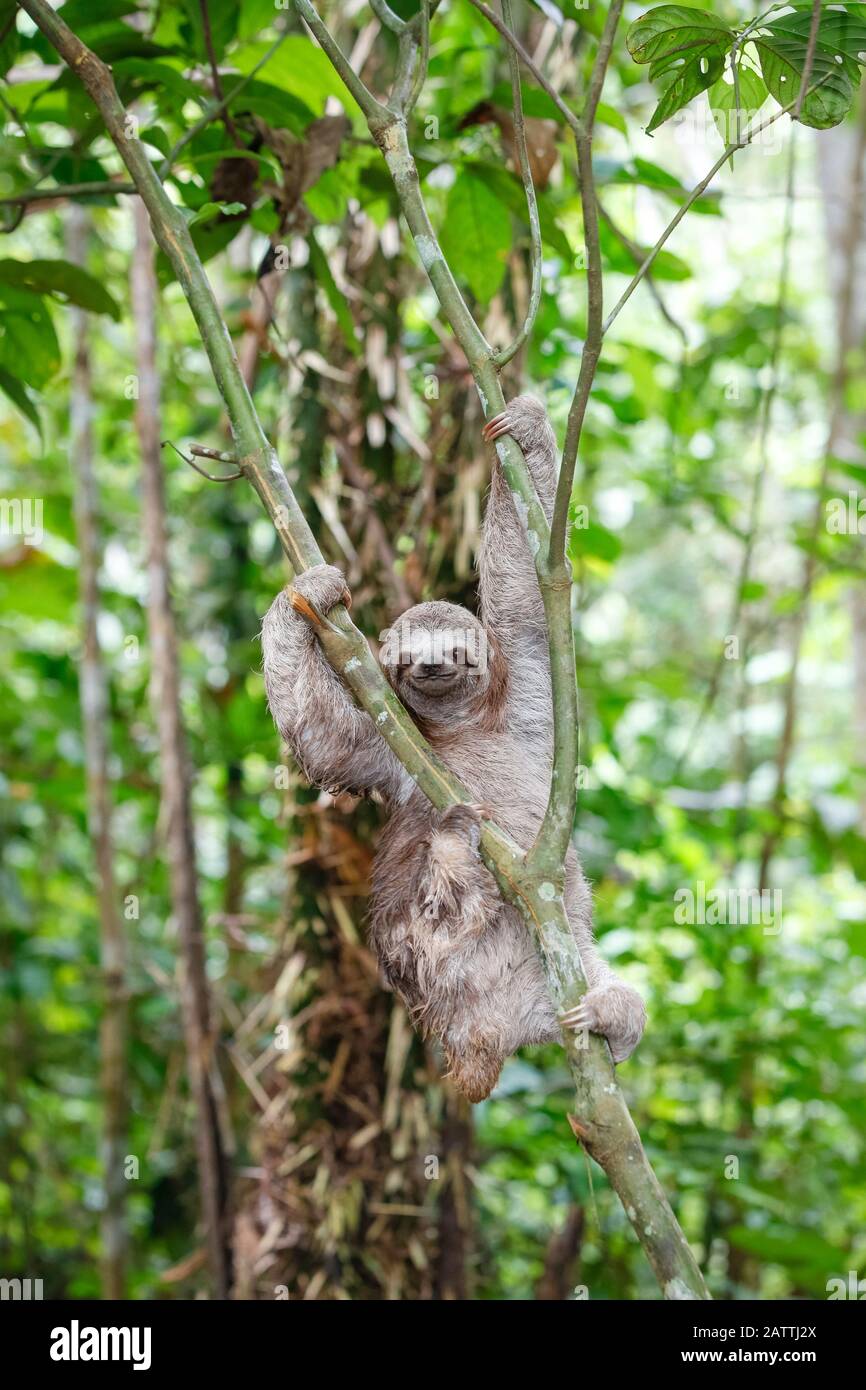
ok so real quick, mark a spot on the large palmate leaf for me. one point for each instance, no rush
(782, 45)
(686, 51)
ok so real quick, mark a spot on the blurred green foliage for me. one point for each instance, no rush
(755, 1048)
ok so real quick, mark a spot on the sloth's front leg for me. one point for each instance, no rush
(613, 1009)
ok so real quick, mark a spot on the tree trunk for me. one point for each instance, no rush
(175, 777)
(95, 722)
(455, 1211)
(563, 1251)
(841, 150)
(348, 1112)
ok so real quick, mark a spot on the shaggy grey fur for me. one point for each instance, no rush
(456, 952)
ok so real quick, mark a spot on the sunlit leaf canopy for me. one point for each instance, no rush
(755, 1049)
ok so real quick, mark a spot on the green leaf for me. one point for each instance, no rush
(17, 393)
(840, 31)
(477, 235)
(27, 335)
(298, 68)
(792, 1246)
(79, 14)
(280, 109)
(782, 45)
(209, 212)
(337, 300)
(608, 115)
(686, 50)
(643, 171)
(265, 218)
(10, 41)
(507, 188)
(111, 41)
(535, 102)
(222, 21)
(64, 281)
(723, 103)
(146, 73)
(666, 266)
(595, 540)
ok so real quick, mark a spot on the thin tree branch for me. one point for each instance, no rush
(371, 108)
(95, 721)
(554, 836)
(636, 253)
(761, 470)
(735, 78)
(504, 29)
(697, 191)
(841, 371)
(423, 57)
(175, 781)
(214, 69)
(66, 190)
(809, 61)
(505, 355)
(594, 289)
(211, 453)
(600, 66)
(213, 110)
(387, 17)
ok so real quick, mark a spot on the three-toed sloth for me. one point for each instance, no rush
(457, 953)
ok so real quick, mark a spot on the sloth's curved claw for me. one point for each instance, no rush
(496, 427)
(575, 1018)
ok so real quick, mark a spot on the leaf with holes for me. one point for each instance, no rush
(840, 31)
(782, 46)
(722, 97)
(685, 49)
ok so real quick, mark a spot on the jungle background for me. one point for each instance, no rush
(720, 623)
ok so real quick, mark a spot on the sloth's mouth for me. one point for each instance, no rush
(439, 676)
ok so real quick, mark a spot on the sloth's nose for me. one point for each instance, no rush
(430, 668)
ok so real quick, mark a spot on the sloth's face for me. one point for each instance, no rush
(435, 651)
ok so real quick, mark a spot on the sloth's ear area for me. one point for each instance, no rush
(389, 650)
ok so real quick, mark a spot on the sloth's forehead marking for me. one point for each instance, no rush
(411, 642)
